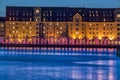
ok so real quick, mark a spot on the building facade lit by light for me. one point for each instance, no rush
(57, 22)
(2, 26)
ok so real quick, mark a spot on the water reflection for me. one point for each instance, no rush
(57, 71)
(57, 51)
(98, 67)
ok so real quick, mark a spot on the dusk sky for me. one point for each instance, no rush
(63, 3)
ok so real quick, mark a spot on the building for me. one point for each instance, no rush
(20, 23)
(2, 27)
(58, 22)
(117, 19)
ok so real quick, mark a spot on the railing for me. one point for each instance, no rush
(59, 41)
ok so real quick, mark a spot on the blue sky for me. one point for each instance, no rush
(63, 3)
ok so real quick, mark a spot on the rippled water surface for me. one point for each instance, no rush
(93, 64)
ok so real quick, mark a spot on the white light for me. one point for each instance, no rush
(37, 11)
(118, 15)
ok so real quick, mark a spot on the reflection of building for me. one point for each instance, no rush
(59, 22)
(2, 26)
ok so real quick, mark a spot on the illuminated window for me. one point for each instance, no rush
(23, 27)
(13, 23)
(60, 32)
(60, 27)
(10, 18)
(77, 32)
(90, 24)
(1, 25)
(30, 19)
(90, 15)
(9, 35)
(16, 31)
(30, 27)
(96, 11)
(104, 19)
(13, 27)
(30, 31)
(13, 18)
(50, 11)
(57, 23)
(43, 31)
(13, 31)
(57, 32)
(96, 14)
(27, 23)
(118, 15)
(50, 23)
(43, 27)
(50, 14)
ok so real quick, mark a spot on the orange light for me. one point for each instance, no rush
(74, 37)
(99, 37)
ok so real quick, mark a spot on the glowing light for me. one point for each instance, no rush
(13, 27)
(74, 37)
(19, 40)
(104, 24)
(57, 32)
(50, 23)
(100, 37)
(90, 37)
(80, 37)
(23, 27)
(16, 31)
(77, 32)
(57, 23)
(1, 25)
(37, 11)
(90, 24)
(118, 15)
(111, 38)
(60, 31)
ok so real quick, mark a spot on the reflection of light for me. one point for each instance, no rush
(100, 77)
(110, 49)
(75, 74)
(111, 74)
(111, 62)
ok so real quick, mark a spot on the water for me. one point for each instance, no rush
(87, 64)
